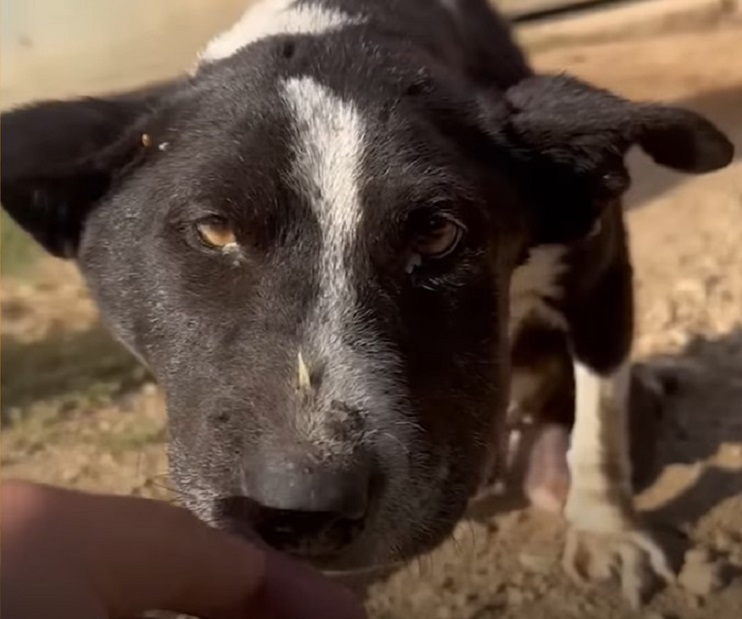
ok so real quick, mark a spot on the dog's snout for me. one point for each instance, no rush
(308, 510)
(313, 490)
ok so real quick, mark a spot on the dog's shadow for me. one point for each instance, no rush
(686, 438)
(700, 424)
(686, 409)
(697, 461)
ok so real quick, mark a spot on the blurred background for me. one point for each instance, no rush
(77, 410)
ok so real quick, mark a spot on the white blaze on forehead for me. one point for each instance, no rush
(275, 17)
(328, 143)
(329, 139)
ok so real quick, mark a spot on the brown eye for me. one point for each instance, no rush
(436, 237)
(216, 232)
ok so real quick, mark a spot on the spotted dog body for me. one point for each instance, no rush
(355, 231)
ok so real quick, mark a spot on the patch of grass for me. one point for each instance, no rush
(18, 251)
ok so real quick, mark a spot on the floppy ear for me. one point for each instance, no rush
(59, 158)
(568, 140)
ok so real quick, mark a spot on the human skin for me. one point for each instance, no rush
(70, 554)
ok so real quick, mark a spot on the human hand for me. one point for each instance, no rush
(69, 554)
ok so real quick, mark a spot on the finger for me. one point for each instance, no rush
(293, 591)
(138, 554)
(210, 574)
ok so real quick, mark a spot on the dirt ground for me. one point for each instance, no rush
(78, 411)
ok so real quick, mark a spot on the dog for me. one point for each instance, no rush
(356, 244)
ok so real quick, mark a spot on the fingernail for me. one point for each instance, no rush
(294, 591)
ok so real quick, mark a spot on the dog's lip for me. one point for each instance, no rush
(242, 529)
(238, 516)
(325, 563)
(235, 507)
(245, 531)
(365, 570)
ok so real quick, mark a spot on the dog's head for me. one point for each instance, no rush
(310, 244)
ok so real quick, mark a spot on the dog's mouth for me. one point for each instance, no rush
(236, 515)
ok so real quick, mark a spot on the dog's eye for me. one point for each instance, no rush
(216, 232)
(436, 237)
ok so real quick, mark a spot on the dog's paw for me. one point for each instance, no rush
(631, 553)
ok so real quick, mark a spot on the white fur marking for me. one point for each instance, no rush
(328, 145)
(532, 283)
(598, 456)
(600, 402)
(606, 529)
(274, 17)
(329, 149)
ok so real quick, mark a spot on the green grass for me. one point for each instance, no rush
(18, 251)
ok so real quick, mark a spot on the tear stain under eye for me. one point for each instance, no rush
(147, 141)
(232, 250)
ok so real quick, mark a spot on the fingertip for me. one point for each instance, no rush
(295, 591)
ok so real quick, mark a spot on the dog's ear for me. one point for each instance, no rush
(59, 158)
(568, 141)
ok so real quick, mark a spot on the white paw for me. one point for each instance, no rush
(630, 552)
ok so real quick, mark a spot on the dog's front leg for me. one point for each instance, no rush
(606, 532)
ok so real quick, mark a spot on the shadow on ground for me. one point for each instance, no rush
(73, 369)
(702, 420)
(685, 408)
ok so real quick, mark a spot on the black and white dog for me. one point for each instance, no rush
(354, 243)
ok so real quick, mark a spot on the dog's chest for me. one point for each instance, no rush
(536, 295)
(536, 289)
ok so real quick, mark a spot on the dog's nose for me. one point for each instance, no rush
(309, 511)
